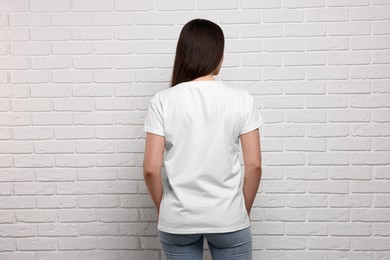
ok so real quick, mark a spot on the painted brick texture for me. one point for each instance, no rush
(76, 78)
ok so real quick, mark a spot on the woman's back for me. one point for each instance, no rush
(201, 122)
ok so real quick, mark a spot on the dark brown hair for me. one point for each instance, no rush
(199, 50)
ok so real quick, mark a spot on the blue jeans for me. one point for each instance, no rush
(235, 245)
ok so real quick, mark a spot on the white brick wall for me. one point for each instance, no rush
(76, 77)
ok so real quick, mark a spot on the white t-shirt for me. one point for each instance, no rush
(201, 122)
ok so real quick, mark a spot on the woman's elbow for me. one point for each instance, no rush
(150, 170)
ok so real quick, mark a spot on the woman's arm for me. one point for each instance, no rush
(250, 143)
(154, 152)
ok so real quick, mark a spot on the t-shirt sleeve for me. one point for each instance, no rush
(251, 116)
(154, 121)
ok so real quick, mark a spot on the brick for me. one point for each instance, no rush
(326, 14)
(44, 244)
(79, 243)
(94, 33)
(248, 4)
(175, 5)
(300, 59)
(307, 88)
(327, 43)
(72, 19)
(344, 115)
(28, 19)
(353, 28)
(351, 87)
(370, 215)
(291, 158)
(242, 46)
(370, 13)
(381, 172)
(328, 158)
(50, 63)
(352, 58)
(380, 116)
(371, 130)
(305, 116)
(283, 16)
(217, 5)
(56, 201)
(282, 102)
(267, 229)
(283, 45)
(35, 188)
(258, 60)
(301, 144)
(49, 34)
(306, 229)
(185, 16)
(17, 77)
(370, 187)
(372, 101)
(74, 48)
(304, 254)
(95, 147)
(350, 173)
(14, 6)
(77, 188)
(79, 215)
(137, 5)
(329, 243)
(349, 201)
(381, 229)
(328, 187)
(305, 30)
(349, 144)
(371, 244)
(73, 105)
(327, 72)
(285, 73)
(285, 187)
(280, 243)
(381, 200)
(303, 3)
(36, 216)
(364, 72)
(92, 5)
(261, 30)
(150, 18)
(376, 42)
(19, 202)
(328, 215)
(306, 173)
(350, 255)
(133, 33)
(101, 201)
(373, 158)
(141, 255)
(326, 102)
(92, 63)
(242, 17)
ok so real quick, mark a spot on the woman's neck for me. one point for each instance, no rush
(204, 78)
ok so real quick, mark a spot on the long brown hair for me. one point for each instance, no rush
(199, 50)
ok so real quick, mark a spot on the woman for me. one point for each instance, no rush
(199, 121)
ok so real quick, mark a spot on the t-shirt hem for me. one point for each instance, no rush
(153, 130)
(203, 230)
(252, 127)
